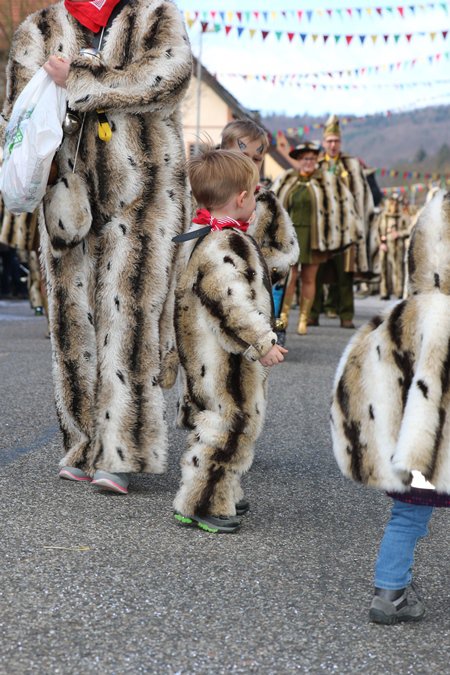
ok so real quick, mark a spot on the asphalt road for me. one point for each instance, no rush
(95, 583)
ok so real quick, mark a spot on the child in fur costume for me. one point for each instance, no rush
(390, 417)
(223, 323)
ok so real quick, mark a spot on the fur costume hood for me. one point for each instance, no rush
(390, 411)
(336, 221)
(274, 233)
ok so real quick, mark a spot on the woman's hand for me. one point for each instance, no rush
(58, 69)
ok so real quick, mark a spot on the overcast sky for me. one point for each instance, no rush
(230, 57)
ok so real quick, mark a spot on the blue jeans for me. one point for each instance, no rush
(408, 523)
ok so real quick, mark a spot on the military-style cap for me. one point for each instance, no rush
(306, 146)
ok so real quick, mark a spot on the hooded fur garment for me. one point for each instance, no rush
(223, 316)
(390, 412)
(273, 231)
(106, 230)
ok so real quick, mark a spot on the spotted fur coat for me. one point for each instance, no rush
(390, 413)
(223, 320)
(336, 222)
(106, 228)
(273, 231)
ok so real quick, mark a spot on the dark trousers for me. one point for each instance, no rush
(340, 292)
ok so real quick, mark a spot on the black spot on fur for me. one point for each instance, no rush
(203, 371)
(105, 341)
(371, 415)
(375, 321)
(65, 182)
(123, 228)
(227, 259)
(404, 362)
(229, 291)
(445, 372)
(429, 472)
(195, 461)
(437, 281)
(215, 475)
(352, 431)
(83, 99)
(117, 303)
(395, 324)
(61, 225)
(423, 387)
(90, 319)
(343, 397)
(120, 375)
(87, 355)
(107, 415)
(239, 246)
(379, 351)
(120, 453)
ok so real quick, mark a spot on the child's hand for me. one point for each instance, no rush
(58, 69)
(274, 356)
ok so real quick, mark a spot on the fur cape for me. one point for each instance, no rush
(336, 222)
(390, 412)
(106, 229)
(351, 172)
(224, 284)
(273, 231)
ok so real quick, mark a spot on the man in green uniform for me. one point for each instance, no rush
(340, 269)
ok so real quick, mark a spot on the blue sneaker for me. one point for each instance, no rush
(113, 482)
(71, 473)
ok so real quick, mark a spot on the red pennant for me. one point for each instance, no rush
(408, 36)
(401, 11)
(379, 10)
(290, 36)
(213, 13)
(204, 25)
(256, 14)
(227, 29)
(349, 12)
(444, 34)
(329, 12)
(348, 38)
(239, 16)
(264, 34)
(300, 14)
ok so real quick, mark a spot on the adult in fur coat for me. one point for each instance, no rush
(107, 223)
(325, 218)
(390, 415)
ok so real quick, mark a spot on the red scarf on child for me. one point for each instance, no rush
(203, 217)
(94, 14)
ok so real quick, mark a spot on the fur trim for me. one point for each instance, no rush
(68, 216)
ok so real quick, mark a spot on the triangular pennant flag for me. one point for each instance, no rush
(303, 36)
(359, 10)
(222, 15)
(240, 30)
(444, 34)
(265, 15)
(339, 11)
(401, 11)
(229, 16)
(325, 38)
(239, 16)
(337, 38)
(217, 27)
(227, 29)
(349, 11)
(386, 38)
(379, 10)
(213, 14)
(299, 14)
(374, 38)
(309, 14)
(396, 38)
(444, 7)
(247, 16)
(204, 25)
(273, 15)
(264, 34)
(369, 11)
(252, 32)
(348, 38)
(290, 36)
(190, 22)
(329, 12)
(256, 15)
(362, 38)
(314, 37)
(433, 36)
(278, 34)
(412, 9)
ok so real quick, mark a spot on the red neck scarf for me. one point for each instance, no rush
(203, 217)
(94, 14)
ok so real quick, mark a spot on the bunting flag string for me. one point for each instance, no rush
(348, 72)
(402, 11)
(408, 175)
(343, 86)
(206, 26)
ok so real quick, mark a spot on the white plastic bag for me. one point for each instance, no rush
(33, 135)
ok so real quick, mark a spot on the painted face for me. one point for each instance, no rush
(252, 149)
(307, 163)
(332, 145)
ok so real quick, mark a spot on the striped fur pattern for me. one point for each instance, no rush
(391, 397)
(351, 172)
(335, 220)
(19, 231)
(273, 231)
(111, 285)
(225, 286)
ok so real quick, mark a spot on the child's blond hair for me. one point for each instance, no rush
(216, 175)
(244, 129)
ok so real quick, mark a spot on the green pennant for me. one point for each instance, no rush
(337, 38)
(217, 27)
(247, 16)
(396, 38)
(339, 11)
(278, 33)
